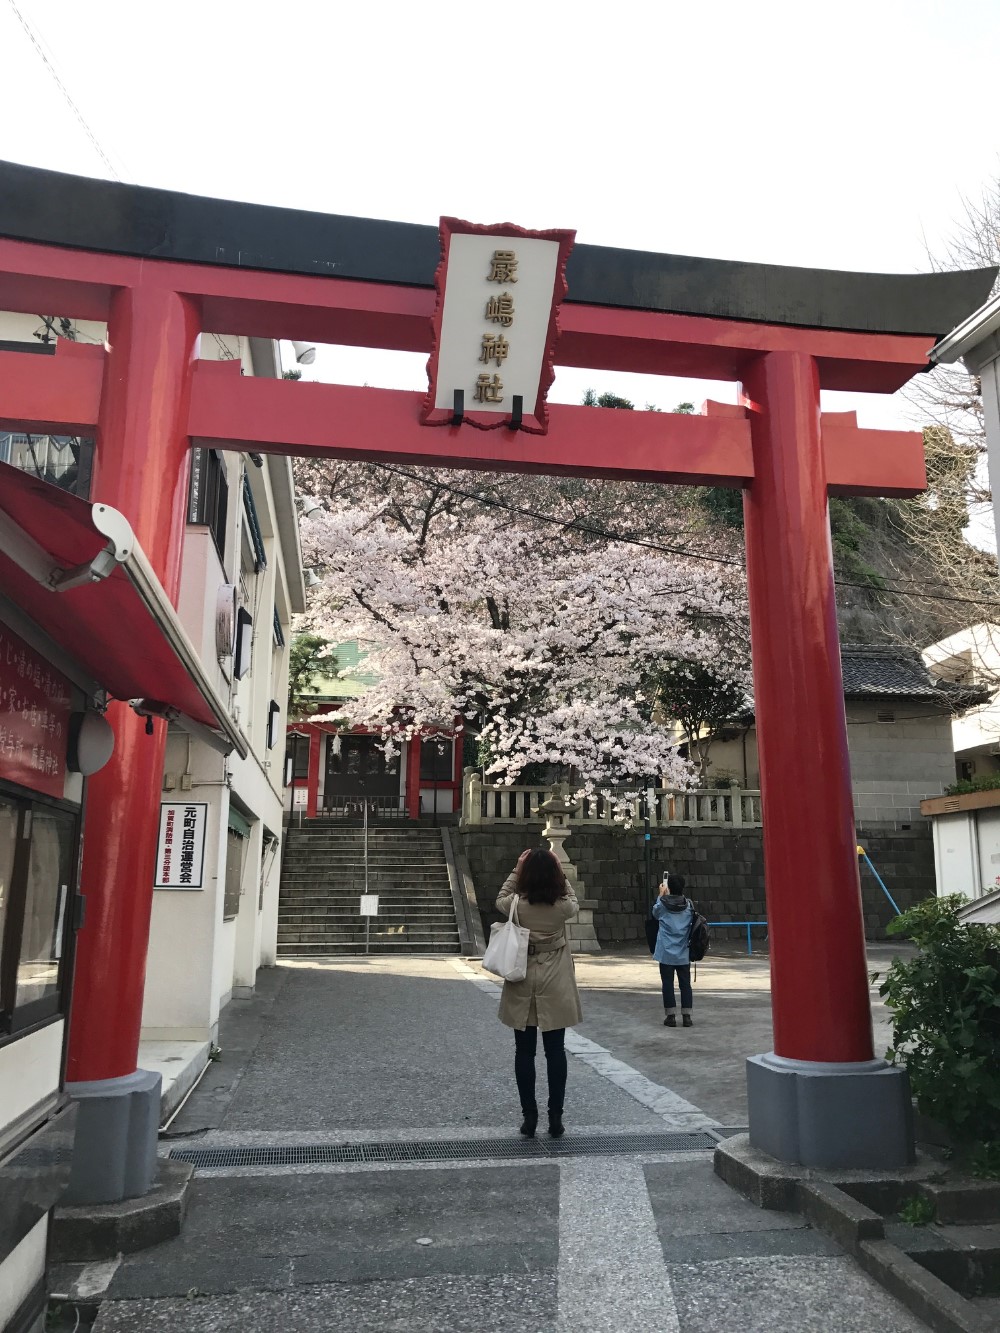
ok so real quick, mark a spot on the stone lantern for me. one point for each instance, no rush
(557, 810)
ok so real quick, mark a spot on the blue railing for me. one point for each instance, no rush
(747, 924)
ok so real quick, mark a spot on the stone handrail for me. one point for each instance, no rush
(730, 807)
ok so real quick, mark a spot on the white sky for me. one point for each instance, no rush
(839, 135)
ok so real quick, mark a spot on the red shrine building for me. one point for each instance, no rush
(103, 682)
(334, 770)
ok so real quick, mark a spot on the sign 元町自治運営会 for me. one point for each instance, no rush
(35, 703)
(180, 847)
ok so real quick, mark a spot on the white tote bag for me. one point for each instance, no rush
(507, 952)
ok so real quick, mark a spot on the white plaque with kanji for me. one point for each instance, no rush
(180, 848)
(496, 324)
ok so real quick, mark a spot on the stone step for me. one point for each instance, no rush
(398, 894)
(323, 920)
(387, 911)
(391, 879)
(358, 853)
(306, 934)
(346, 936)
(337, 919)
(342, 884)
(358, 863)
(333, 840)
(324, 876)
(321, 897)
(431, 852)
(391, 868)
(403, 867)
(400, 882)
(354, 950)
(356, 837)
(375, 858)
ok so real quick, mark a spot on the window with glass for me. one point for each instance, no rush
(65, 461)
(208, 496)
(236, 850)
(37, 860)
(297, 756)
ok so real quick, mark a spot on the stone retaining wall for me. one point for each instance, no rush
(724, 869)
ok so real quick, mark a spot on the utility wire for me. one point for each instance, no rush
(587, 528)
(36, 43)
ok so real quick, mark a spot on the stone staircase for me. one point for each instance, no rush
(323, 877)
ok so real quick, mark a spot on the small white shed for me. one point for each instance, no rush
(967, 846)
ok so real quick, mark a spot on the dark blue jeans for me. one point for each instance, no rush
(683, 980)
(525, 1045)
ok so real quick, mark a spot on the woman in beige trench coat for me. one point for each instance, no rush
(547, 998)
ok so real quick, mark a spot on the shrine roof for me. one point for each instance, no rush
(881, 672)
(85, 213)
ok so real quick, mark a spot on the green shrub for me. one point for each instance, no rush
(988, 782)
(945, 1006)
(918, 1211)
(984, 1161)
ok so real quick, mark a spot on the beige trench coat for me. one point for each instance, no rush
(547, 998)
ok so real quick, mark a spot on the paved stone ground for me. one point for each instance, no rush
(358, 1051)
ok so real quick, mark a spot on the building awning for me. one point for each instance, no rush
(75, 570)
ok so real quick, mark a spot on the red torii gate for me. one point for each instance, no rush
(149, 399)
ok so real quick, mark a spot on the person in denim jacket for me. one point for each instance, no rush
(675, 916)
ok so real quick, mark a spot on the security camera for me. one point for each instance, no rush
(305, 353)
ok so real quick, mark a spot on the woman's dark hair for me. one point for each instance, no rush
(541, 879)
(676, 883)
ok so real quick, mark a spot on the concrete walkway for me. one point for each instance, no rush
(408, 1052)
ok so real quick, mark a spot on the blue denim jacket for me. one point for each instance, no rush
(674, 914)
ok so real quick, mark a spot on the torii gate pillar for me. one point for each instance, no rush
(820, 1098)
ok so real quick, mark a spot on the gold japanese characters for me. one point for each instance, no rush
(494, 348)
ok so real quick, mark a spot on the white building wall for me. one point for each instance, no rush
(22, 1270)
(29, 1073)
(198, 959)
(972, 656)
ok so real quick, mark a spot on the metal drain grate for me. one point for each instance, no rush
(444, 1150)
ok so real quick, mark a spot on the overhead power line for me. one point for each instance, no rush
(608, 535)
(36, 43)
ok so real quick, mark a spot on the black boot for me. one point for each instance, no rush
(556, 1127)
(687, 1020)
(671, 1019)
(530, 1122)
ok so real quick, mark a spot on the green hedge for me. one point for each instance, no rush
(945, 1006)
(989, 782)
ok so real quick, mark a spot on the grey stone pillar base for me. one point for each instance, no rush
(114, 1154)
(830, 1115)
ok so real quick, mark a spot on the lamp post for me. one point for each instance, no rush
(440, 749)
(647, 851)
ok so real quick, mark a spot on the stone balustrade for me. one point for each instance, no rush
(729, 807)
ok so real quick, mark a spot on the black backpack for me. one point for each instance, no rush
(699, 937)
(652, 926)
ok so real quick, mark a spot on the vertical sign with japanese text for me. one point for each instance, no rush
(35, 702)
(496, 323)
(180, 848)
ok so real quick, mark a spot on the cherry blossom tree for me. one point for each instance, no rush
(539, 637)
